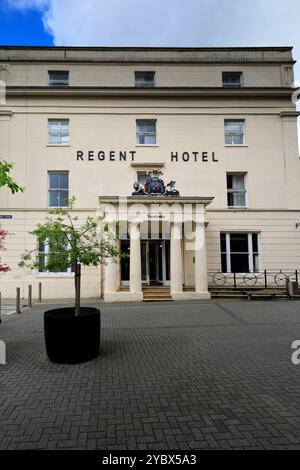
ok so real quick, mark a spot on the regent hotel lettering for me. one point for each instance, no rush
(129, 155)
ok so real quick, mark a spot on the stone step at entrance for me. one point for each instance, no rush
(157, 294)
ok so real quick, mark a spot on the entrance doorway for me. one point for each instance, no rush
(155, 262)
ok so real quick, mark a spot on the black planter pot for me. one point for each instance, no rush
(70, 339)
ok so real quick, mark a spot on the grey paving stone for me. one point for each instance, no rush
(182, 375)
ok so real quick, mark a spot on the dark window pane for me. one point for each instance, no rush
(223, 242)
(232, 79)
(54, 198)
(53, 181)
(125, 272)
(255, 242)
(41, 262)
(230, 199)
(229, 182)
(63, 179)
(144, 79)
(63, 198)
(150, 126)
(239, 243)
(239, 263)
(224, 263)
(58, 78)
(167, 251)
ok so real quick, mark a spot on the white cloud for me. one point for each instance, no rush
(165, 23)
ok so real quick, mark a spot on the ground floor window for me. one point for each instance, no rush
(239, 252)
(46, 252)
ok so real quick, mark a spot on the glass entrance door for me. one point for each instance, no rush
(155, 261)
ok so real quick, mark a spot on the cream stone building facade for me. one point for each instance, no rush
(89, 122)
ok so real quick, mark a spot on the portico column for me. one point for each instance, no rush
(111, 281)
(135, 260)
(201, 280)
(176, 259)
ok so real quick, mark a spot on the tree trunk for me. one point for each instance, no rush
(77, 288)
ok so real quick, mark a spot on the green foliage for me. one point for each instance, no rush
(70, 243)
(6, 179)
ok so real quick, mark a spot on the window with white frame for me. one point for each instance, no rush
(234, 132)
(236, 190)
(144, 79)
(239, 252)
(58, 189)
(58, 130)
(45, 253)
(141, 176)
(58, 77)
(146, 132)
(232, 79)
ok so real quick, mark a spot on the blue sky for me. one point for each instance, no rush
(22, 27)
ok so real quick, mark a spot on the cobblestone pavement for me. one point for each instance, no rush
(181, 375)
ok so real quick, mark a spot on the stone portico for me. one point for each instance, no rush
(178, 219)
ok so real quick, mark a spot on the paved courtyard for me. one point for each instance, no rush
(181, 375)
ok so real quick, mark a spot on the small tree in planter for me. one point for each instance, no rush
(71, 334)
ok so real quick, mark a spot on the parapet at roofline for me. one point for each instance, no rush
(147, 54)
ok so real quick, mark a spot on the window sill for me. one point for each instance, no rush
(235, 145)
(146, 145)
(58, 145)
(237, 208)
(55, 275)
(57, 207)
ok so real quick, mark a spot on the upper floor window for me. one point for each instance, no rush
(232, 79)
(146, 132)
(58, 188)
(144, 79)
(58, 131)
(141, 176)
(234, 132)
(236, 190)
(58, 77)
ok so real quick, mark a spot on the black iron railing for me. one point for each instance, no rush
(263, 279)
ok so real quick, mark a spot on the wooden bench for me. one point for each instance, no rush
(267, 294)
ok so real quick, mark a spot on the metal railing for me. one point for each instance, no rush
(264, 279)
